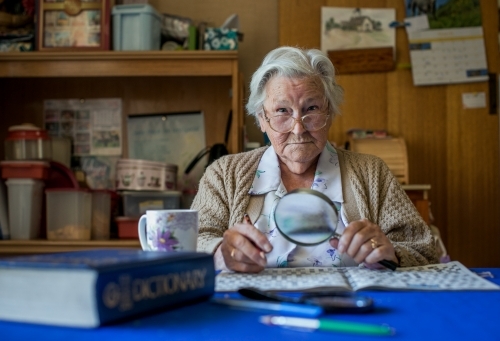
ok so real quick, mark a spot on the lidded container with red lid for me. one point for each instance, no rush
(25, 169)
(27, 142)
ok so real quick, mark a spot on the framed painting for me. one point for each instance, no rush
(67, 25)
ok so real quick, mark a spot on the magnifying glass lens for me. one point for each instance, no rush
(305, 219)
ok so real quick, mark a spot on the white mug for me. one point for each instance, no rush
(169, 230)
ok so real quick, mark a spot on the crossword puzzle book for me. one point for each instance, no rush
(90, 288)
(449, 276)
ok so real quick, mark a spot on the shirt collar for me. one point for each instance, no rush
(268, 174)
(327, 179)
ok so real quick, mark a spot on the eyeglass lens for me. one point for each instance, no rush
(311, 122)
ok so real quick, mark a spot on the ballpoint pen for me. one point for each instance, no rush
(327, 325)
(270, 307)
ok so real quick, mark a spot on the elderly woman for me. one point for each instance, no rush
(294, 97)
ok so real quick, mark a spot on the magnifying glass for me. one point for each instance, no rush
(306, 217)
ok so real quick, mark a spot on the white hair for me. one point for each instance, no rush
(294, 62)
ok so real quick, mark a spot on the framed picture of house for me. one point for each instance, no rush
(346, 28)
(66, 25)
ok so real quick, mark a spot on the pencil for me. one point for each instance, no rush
(246, 217)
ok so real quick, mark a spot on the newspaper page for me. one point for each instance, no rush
(448, 276)
(94, 125)
(284, 279)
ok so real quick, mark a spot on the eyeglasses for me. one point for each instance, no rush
(286, 123)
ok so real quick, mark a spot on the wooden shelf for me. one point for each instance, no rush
(119, 64)
(200, 80)
(124, 74)
(25, 247)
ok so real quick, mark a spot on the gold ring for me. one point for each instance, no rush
(232, 253)
(374, 243)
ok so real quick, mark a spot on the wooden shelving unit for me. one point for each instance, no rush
(125, 65)
(27, 247)
(119, 64)
(147, 81)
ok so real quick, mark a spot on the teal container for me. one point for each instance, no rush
(136, 27)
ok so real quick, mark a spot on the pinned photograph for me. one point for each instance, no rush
(355, 28)
(52, 128)
(83, 149)
(67, 129)
(67, 115)
(83, 114)
(82, 138)
(446, 13)
(105, 139)
(82, 125)
(51, 115)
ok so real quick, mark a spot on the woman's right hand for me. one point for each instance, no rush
(243, 249)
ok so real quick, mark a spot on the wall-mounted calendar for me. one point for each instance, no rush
(448, 56)
(446, 41)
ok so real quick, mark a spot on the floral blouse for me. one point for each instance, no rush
(327, 181)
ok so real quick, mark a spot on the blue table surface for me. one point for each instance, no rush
(416, 315)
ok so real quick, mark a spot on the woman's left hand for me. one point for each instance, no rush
(365, 242)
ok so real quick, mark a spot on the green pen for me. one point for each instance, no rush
(327, 325)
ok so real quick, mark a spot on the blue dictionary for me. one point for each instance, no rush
(89, 288)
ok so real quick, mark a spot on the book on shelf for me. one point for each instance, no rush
(448, 276)
(89, 288)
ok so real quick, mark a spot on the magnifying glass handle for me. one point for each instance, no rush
(389, 264)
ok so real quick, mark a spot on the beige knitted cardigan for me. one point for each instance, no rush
(369, 190)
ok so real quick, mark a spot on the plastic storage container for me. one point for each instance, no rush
(25, 207)
(27, 142)
(141, 175)
(61, 176)
(4, 214)
(136, 27)
(69, 214)
(128, 228)
(188, 197)
(135, 204)
(101, 214)
(61, 150)
(171, 177)
(25, 169)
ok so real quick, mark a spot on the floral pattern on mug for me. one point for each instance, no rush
(173, 230)
(185, 222)
(165, 241)
(176, 221)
